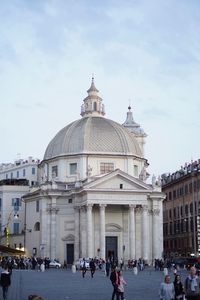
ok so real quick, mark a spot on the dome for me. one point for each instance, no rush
(93, 135)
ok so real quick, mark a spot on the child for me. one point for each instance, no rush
(121, 283)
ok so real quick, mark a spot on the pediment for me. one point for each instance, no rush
(117, 180)
(68, 238)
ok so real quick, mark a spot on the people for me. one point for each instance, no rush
(108, 267)
(114, 281)
(192, 285)
(84, 269)
(92, 267)
(5, 281)
(35, 297)
(120, 287)
(167, 291)
(178, 287)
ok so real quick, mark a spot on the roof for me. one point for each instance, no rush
(93, 135)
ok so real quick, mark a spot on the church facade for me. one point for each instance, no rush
(93, 199)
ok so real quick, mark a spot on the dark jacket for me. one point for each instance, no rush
(5, 278)
(113, 277)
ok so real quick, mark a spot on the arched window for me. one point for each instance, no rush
(37, 226)
(95, 106)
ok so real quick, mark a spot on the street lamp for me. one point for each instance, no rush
(6, 226)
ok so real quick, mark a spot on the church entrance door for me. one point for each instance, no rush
(70, 253)
(111, 247)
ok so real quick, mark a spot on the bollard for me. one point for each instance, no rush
(73, 269)
(165, 271)
(135, 270)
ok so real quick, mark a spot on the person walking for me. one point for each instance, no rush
(92, 267)
(178, 287)
(114, 281)
(108, 265)
(84, 269)
(166, 291)
(121, 283)
(5, 281)
(192, 285)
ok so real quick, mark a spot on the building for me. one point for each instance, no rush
(16, 179)
(181, 211)
(20, 169)
(93, 199)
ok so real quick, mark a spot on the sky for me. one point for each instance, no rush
(143, 53)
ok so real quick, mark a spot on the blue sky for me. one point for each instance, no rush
(146, 53)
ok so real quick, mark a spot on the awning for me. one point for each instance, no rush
(8, 250)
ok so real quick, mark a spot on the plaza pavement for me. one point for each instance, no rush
(61, 284)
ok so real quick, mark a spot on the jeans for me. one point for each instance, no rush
(5, 292)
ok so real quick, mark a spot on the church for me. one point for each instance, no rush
(93, 199)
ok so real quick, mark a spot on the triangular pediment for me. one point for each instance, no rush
(117, 180)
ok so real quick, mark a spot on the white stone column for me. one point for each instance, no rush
(145, 233)
(102, 230)
(156, 224)
(89, 231)
(83, 235)
(52, 209)
(77, 233)
(132, 230)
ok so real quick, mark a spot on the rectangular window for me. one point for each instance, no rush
(54, 171)
(0, 205)
(37, 206)
(186, 189)
(33, 171)
(170, 195)
(11, 175)
(135, 170)
(190, 187)
(73, 168)
(16, 228)
(17, 174)
(6, 176)
(16, 203)
(24, 172)
(106, 168)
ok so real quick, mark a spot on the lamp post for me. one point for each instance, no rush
(6, 226)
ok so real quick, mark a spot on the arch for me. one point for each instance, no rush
(37, 226)
(69, 237)
(113, 227)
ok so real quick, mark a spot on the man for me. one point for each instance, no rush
(114, 280)
(92, 267)
(84, 269)
(5, 281)
(192, 285)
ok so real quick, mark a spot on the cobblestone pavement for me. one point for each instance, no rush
(56, 284)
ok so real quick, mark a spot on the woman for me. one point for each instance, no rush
(167, 291)
(121, 283)
(178, 287)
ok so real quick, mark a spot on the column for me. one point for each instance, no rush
(53, 212)
(132, 230)
(156, 241)
(89, 231)
(145, 233)
(83, 235)
(77, 233)
(102, 230)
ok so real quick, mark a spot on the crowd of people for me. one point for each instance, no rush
(179, 290)
(170, 289)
